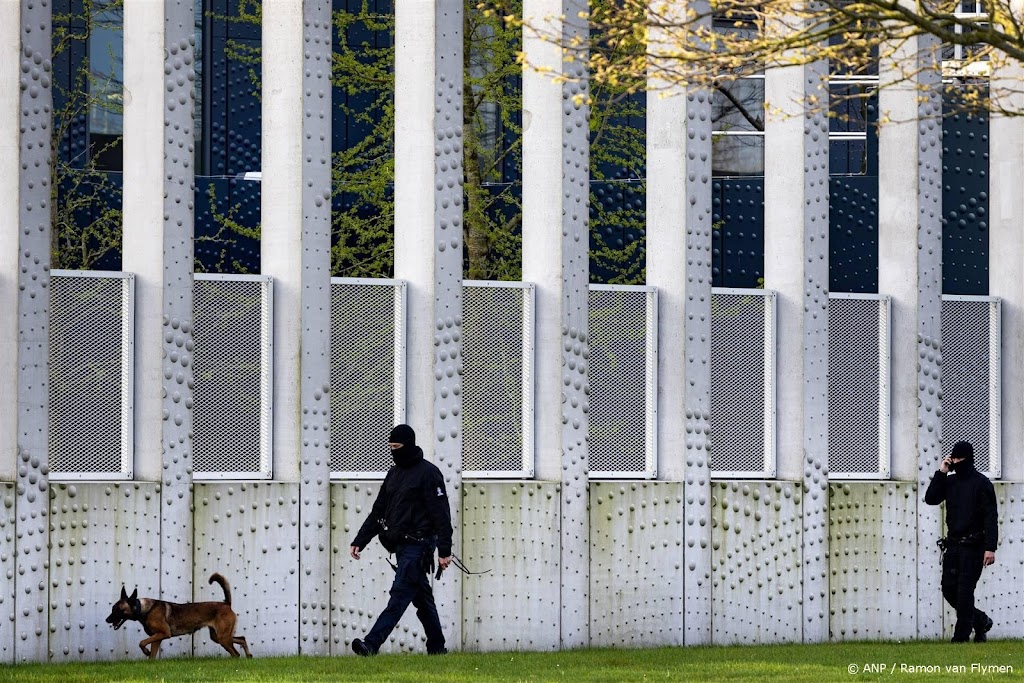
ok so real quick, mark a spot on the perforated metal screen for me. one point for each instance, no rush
(623, 363)
(233, 361)
(90, 374)
(497, 379)
(858, 386)
(367, 368)
(742, 382)
(970, 377)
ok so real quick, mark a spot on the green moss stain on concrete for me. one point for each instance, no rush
(873, 560)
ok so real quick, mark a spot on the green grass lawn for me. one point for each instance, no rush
(831, 662)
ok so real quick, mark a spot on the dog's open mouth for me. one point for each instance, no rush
(116, 622)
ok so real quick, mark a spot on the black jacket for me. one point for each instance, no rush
(970, 503)
(412, 504)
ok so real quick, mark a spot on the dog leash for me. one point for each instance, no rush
(457, 563)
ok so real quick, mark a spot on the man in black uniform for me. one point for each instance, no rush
(971, 536)
(411, 517)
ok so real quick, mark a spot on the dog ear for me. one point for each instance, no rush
(135, 594)
(124, 595)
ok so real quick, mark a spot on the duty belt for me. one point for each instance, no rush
(969, 539)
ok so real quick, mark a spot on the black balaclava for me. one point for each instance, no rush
(962, 449)
(409, 452)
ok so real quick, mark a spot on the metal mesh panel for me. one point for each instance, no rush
(742, 372)
(620, 380)
(858, 362)
(496, 359)
(231, 365)
(970, 377)
(367, 335)
(90, 360)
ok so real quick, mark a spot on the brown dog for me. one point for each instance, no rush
(161, 620)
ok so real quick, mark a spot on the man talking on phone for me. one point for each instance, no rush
(971, 536)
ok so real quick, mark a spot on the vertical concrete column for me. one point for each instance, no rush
(296, 244)
(679, 265)
(910, 271)
(176, 563)
(1006, 249)
(10, 144)
(33, 319)
(143, 213)
(556, 237)
(159, 50)
(796, 266)
(428, 244)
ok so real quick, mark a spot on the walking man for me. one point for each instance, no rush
(971, 536)
(411, 517)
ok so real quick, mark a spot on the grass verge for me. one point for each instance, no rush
(850, 662)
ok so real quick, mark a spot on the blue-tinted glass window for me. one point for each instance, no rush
(737, 115)
(106, 83)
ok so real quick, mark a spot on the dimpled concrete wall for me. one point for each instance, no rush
(314, 450)
(575, 236)
(512, 530)
(929, 326)
(33, 331)
(756, 548)
(448, 234)
(1000, 592)
(872, 532)
(815, 357)
(102, 537)
(697, 330)
(178, 382)
(636, 564)
(359, 589)
(7, 531)
(248, 532)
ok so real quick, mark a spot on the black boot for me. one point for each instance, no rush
(981, 632)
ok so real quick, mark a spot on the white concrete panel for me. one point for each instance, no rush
(756, 569)
(636, 564)
(249, 533)
(281, 195)
(143, 212)
(359, 589)
(511, 529)
(872, 530)
(10, 143)
(1006, 247)
(103, 537)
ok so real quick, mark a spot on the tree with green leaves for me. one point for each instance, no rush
(492, 105)
(708, 44)
(85, 209)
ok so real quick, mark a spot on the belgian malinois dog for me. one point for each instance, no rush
(161, 620)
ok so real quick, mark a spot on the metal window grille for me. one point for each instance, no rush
(858, 386)
(623, 381)
(367, 374)
(91, 360)
(497, 380)
(971, 377)
(233, 369)
(742, 383)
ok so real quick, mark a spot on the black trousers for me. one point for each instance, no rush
(411, 586)
(961, 569)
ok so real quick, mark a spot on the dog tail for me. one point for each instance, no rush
(217, 578)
